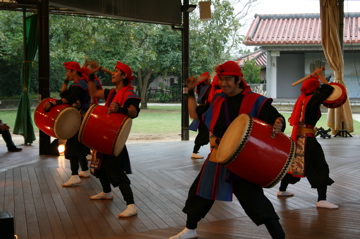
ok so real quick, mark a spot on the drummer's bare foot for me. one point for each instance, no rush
(284, 194)
(196, 156)
(74, 179)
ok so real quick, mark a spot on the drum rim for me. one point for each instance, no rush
(286, 166)
(334, 104)
(240, 147)
(126, 120)
(84, 121)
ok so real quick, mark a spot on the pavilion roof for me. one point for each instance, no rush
(295, 30)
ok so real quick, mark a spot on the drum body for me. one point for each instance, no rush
(106, 133)
(250, 150)
(337, 98)
(62, 121)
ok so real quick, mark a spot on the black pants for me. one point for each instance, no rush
(202, 138)
(251, 197)
(112, 172)
(316, 169)
(8, 139)
(124, 187)
(289, 179)
(76, 152)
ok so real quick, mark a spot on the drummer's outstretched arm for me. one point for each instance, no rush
(93, 90)
(130, 111)
(50, 104)
(191, 83)
(192, 106)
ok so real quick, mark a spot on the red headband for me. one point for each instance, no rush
(126, 69)
(310, 85)
(229, 68)
(72, 65)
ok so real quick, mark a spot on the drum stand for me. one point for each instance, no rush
(343, 132)
(323, 133)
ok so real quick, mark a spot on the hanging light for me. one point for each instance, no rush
(205, 10)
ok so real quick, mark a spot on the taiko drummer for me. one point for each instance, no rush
(76, 94)
(310, 159)
(215, 182)
(112, 170)
(203, 88)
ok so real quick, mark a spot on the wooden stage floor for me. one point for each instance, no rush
(30, 190)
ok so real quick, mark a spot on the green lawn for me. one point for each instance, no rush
(165, 120)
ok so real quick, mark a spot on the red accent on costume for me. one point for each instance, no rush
(308, 87)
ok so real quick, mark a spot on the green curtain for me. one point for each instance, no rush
(23, 123)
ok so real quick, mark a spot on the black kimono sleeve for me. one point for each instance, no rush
(269, 114)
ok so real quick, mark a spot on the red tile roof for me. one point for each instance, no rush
(295, 29)
(259, 56)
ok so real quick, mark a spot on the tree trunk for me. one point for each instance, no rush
(143, 100)
(143, 86)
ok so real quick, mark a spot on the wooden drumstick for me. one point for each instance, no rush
(306, 77)
(105, 70)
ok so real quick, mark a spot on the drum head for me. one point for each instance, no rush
(67, 123)
(336, 94)
(234, 138)
(122, 136)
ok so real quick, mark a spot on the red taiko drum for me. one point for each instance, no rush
(337, 98)
(106, 133)
(62, 121)
(250, 150)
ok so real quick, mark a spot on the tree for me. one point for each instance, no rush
(11, 53)
(155, 50)
(79, 38)
(251, 72)
(150, 50)
(212, 42)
